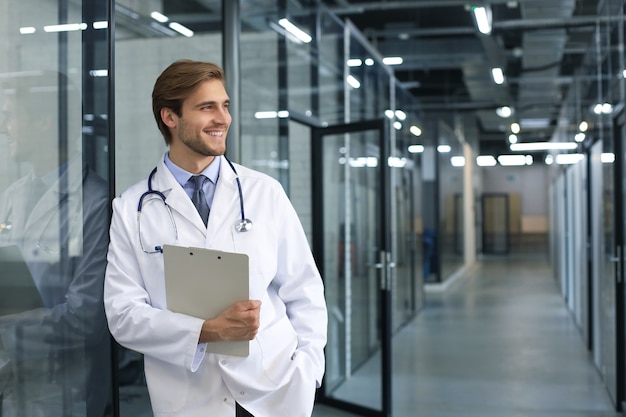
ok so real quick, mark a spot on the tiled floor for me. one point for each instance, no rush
(498, 343)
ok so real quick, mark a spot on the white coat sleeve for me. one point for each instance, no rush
(131, 295)
(301, 288)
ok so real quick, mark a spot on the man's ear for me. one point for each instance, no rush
(169, 117)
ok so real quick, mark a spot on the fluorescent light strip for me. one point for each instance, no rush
(185, 31)
(68, 27)
(568, 158)
(295, 31)
(512, 160)
(457, 161)
(27, 30)
(354, 83)
(159, 17)
(482, 20)
(416, 148)
(393, 60)
(497, 75)
(485, 161)
(103, 24)
(543, 146)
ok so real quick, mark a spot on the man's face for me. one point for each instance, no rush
(202, 127)
(15, 128)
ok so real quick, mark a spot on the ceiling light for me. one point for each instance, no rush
(183, 30)
(159, 17)
(512, 160)
(568, 158)
(504, 111)
(400, 115)
(605, 108)
(482, 15)
(395, 162)
(295, 30)
(354, 83)
(497, 75)
(543, 146)
(354, 62)
(27, 30)
(579, 137)
(607, 157)
(397, 125)
(485, 161)
(69, 27)
(583, 126)
(369, 62)
(392, 60)
(512, 138)
(415, 130)
(457, 161)
(515, 128)
(416, 148)
(102, 24)
(444, 148)
(271, 114)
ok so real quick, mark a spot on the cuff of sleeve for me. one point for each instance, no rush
(198, 357)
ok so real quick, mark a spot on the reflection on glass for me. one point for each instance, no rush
(351, 192)
(54, 345)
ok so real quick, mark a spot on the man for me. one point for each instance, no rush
(54, 343)
(285, 318)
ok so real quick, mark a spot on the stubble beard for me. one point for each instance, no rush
(196, 143)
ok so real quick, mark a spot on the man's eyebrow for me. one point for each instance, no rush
(212, 102)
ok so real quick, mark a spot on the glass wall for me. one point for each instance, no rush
(54, 201)
(595, 295)
(65, 154)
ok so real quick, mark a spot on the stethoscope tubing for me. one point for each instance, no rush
(243, 226)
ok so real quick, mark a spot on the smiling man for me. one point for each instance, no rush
(195, 197)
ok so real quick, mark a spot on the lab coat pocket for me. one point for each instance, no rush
(278, 344)
(168, 385)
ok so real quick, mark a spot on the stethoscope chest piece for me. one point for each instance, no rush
(243, 225)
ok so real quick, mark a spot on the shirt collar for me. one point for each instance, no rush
(212, 172)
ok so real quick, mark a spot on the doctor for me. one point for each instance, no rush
(285, 318)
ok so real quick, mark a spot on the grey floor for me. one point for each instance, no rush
(498, 343)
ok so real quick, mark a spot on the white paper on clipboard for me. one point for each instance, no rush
(204, 282)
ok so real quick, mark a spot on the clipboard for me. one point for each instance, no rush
(203, 282)
(18, 292)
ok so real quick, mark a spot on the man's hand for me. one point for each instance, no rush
(238, 322)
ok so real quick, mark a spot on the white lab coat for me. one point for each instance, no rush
(286, 361)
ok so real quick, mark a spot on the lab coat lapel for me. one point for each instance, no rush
(225, 208)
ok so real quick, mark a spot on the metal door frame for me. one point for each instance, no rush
(384, 262)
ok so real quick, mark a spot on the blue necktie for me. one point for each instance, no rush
(198, 198)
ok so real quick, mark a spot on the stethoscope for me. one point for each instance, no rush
(243, 224)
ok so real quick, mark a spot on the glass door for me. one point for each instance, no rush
(351, 240)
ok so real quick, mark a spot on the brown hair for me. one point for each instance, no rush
(176, 83)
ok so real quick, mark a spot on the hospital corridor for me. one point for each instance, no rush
(499, 342)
